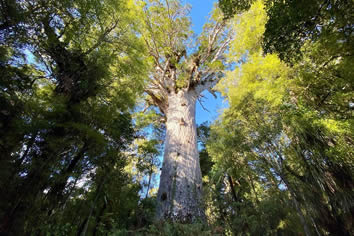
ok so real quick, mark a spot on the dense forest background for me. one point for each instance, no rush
(81, 145)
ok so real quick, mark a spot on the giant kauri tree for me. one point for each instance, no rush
(182, 69)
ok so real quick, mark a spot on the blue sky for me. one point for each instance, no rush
(199, 14)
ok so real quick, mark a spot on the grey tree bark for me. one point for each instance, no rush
(180, 191)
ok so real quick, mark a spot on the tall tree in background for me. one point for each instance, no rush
(64, 109)
(182, 70)
(294, 111)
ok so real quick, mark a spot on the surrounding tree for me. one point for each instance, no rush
(293, 23)
(232, 7)
(286, 128)
(64, 108)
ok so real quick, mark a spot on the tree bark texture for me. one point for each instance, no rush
(180, 191)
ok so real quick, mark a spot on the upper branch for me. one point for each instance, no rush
(160, 102)
(208, 82)
(208, 72)
(167, 36)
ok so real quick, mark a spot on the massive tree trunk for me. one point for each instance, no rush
(180, 191)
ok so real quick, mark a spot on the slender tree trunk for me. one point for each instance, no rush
(180, 191)
(233, 192)
(297, 206)
(253, 188)
(148, 186)
(99, 217)
(84, 226)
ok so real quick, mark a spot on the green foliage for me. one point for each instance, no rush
(203, 133)
(283, 148)
(157, 13)
(293, 23)
(166, 229)
(232, 7)
(68, 72)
